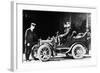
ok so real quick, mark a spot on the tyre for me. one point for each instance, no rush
(78, 51)
(44, 53)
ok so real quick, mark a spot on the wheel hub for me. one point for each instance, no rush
(44, 52)
(79, 52)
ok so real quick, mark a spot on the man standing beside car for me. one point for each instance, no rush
(30, 40)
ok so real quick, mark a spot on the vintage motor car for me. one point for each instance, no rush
(74, 46)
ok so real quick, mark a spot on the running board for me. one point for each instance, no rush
(60, 48)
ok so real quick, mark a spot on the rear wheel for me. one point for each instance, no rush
(44, 53)
(78, 51)
(34, 54)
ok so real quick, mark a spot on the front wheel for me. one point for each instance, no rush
(78, 51)
(44, 53)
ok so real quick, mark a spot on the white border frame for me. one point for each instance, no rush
(16, 60)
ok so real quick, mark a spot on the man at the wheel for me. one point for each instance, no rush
(67, 28)
(67, 31)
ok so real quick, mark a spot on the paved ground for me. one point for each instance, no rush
(60, 57)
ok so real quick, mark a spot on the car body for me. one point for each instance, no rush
(74, 46)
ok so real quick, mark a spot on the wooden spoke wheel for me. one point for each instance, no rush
(44, 53)
(78, 51)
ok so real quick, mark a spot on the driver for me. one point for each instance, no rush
(67, 28)
(67, 32)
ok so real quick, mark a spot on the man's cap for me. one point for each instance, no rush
(33, 24)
